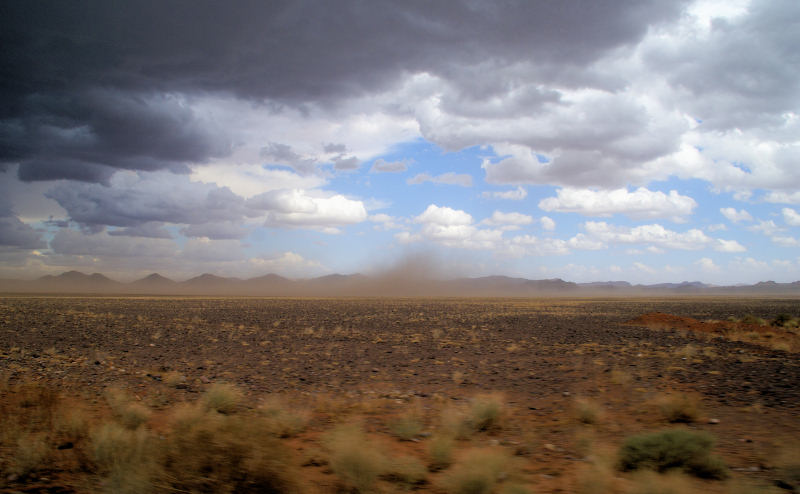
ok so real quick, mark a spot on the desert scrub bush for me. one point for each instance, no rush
(486, 412)
(407, 470)
(40, 403)
(478, 472)
(134, 415)
(440, 452)
(673, 449)
(687, 352)
(587, 411)
(71, 424)
(679, 408)
(173, 379)
(126, 411)
(356, 460)
(784, 321)
(751, 319)
(29, 456)
(211, 452)
(455, 422)
(284, 421)
(597, 478)
(653, 483)
(222, 398)
(619, 376)
(406, 427)
(126, 458)
(513, 488)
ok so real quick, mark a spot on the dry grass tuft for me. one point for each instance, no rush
(356, 460)
(477, 472)
(679, 408)
(126, 411)
(284, 421)
(407, 470)
(126, 458)
(654, 483)
(223, 398)
(406, 427)
(173, 379)
(212, 452)
(486, 412)
(588, 411)
(30, 455)
(440, 451)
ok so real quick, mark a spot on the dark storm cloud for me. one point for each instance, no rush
(87, 135)
(145, 230)
(282, 154)
(382, 166)
(15, 233)
(745, 75)
(91, 87)
(345, 163)
(139, 207)
(216, 231)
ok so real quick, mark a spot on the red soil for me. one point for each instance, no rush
(659, 320)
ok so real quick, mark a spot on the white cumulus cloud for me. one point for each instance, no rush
(443, 215)
(512, 195)
(707, 265)
(736, 216)
(508, 221)
(657, 236)
(640, 203)
(309, 209)
(449, 178)
(790, 217)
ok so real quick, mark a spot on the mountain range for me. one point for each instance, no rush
(75, 282)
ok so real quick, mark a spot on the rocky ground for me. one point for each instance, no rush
(541, 355)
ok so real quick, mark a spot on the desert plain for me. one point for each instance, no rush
(443, 395)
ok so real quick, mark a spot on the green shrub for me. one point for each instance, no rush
(751, 319)
(672, 449)
(782, 320)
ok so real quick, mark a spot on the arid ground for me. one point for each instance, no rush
(571, 379)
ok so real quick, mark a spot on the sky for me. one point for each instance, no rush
(646, 141)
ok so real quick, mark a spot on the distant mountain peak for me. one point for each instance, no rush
(154, 279)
